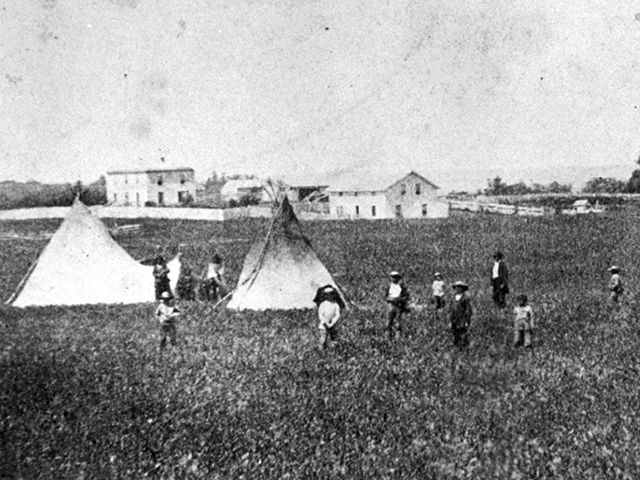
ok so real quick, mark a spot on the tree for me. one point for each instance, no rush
(496, 187)
(605, 185)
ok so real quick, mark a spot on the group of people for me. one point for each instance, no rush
(212, 287)
(397, 299)
(330, 302)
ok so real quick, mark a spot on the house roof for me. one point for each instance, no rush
(231, 187)
(150, 170)
(369, 181)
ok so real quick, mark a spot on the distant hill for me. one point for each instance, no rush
(36, 194)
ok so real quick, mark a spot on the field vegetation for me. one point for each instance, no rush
(85, 393)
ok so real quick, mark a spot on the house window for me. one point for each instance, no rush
(138, 199)
(339, 194)
(424, 209)
(182, 196)
(357, 210)
(373, 211)
(115, 198)
(126, 180)
(398, 211)
(418, 188)
(340, 210)
(126, 199)
(160, 198)
(160, 180)
(183, 180)
(355, 194)
(403, 189)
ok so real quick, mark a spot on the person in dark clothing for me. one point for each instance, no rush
(397, 298)
(499, 280)
(161, 276)
(460, 315)
(186, 285)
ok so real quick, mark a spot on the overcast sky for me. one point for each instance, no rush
(290, 86)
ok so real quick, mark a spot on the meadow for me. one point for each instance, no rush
(85, 393)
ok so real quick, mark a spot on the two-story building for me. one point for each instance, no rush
(155, 186)
(365, 196)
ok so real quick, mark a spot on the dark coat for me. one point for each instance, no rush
(332, 296)
(502, 281)
(402, 300)
(461, 312)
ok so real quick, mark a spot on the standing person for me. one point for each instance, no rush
(437, 289)
(397, 298)
(186, 285)
(166, 313)
(161, 276)
(522, 323)
(329, 303)
(460, 315)
(499, 280)
(215, 284)
(615, 284)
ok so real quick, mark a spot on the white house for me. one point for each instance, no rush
(365, 196)
(238, 188)
(157, 186)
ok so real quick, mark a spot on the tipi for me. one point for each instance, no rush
(82, 264)
(282, 271)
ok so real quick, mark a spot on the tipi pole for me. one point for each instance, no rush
(21, 284)
(258, 263)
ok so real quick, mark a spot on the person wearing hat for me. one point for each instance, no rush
(460, 315)
(615, 284)
(329, 303)
(397, 298)
(437, 289)
(161, 276)
(499, 280)
(166, 313)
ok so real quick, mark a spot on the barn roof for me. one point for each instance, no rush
(370, 181)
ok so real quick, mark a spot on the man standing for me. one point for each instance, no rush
(397, 297)
(499, 280)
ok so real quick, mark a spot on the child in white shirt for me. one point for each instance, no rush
(437, 289)
(523, 323)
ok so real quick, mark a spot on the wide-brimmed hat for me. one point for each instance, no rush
(461, 285)
(437, 274)
(165, 295)
(328, 289)
(395, 274)
(614, 268)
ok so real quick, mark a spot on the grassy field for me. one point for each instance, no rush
(84, 392)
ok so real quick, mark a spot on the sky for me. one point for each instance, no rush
(454, 90)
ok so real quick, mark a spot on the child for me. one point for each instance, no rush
(437, 287)
(161, 276)
(460, 315)
(397, 297)
(186, 285)
(615, 284)
(523, 323)
(166, 313)
(329, 303)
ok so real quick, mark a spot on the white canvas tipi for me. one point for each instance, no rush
(281, 272)
(82, 264)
